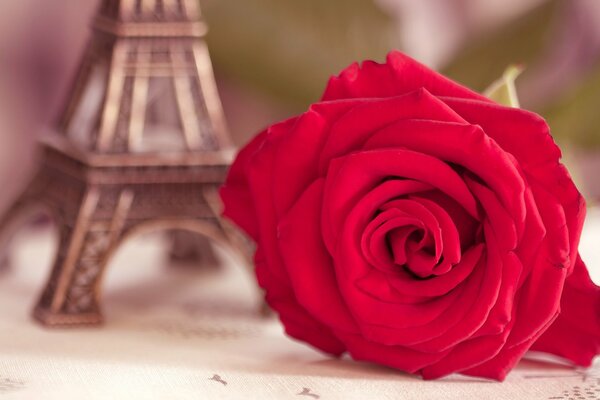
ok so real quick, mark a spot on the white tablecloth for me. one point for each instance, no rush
(181, 333)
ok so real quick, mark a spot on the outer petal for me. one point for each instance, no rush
(296, 321)
(558, 183)
(400, 74)
(498, 276)
(300, 325)
(309, 265)
(538, 299)
(479, 349)
(398, 357)
(499, 366)
(352, 129)
(270, 270)
(297, 156)
(527, 137)
(235, 193)
(536, 308)
(522, 133)
(575, 335)
(467, 354)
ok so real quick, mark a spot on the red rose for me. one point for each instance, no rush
(414, 223)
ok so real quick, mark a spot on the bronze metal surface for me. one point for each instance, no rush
(101, 180)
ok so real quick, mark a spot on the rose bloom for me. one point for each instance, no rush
(414, 223)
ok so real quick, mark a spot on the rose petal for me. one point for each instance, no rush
(350, 266)
(575, 335)
(441, 284)
(392, 322)
(449, 232)
(533, 237)
(497, 273)
(418, 262)
(490, 339)
(235, 192)
(270, 272)
(500, 220)
(400, 74)
(555, 222)
(557, 182)
(466, 226)
(465, 145)
(352, 177)
(518, 131)
(538, 299)
(502, 312)
(298, 151)
(299, 325)
(296, 321)
(423, 334)
(466, 355)
(374, 240)
(309, 265)
(499, 366)
(397, 357)
(349, 132)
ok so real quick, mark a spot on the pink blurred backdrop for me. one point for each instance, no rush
(41, 41)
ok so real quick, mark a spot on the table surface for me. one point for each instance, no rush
(175, 332)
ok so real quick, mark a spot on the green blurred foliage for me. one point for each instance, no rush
(575, 117)
(289, 48)
(521, 42)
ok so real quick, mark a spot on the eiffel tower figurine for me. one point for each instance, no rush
(141, 145)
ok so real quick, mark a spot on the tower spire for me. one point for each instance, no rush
(150, 10)
(146, 83)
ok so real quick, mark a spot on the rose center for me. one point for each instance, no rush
(411, 234)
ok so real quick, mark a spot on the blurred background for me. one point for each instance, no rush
(273, 57)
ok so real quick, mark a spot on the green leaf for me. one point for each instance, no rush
(503, 90)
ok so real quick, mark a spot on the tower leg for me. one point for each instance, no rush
(72, 293)
(70, 296)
